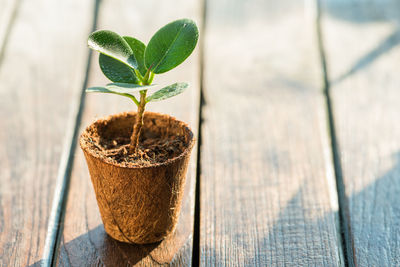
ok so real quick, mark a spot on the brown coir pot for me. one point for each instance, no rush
(137, 204)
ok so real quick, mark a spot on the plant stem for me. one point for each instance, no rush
(137, 127)
(146, 77)
(151, 78)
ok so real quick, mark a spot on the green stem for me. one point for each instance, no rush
(151, 78)
(140, 77)
(146, 77)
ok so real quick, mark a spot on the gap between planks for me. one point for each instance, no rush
(64, 171)
(343, 211)
(197, 210)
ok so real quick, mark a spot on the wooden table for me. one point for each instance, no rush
(296, 108)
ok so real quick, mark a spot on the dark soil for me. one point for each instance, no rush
(151, 150)
(162, 138)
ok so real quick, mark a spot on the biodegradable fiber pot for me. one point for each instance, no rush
(137, 204)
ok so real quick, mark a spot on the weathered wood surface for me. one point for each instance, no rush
(268, 195)
(41, 73)
(84, 241)
(361, 42)
(268, 192)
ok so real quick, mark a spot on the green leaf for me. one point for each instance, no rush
(167, 92)
(138, 49)
(120, 88)
(98, 90)
(117, 71)
(111, 44)
(105, 90)
(171, 45)
(127, 88)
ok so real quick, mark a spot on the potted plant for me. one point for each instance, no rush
(138, 160)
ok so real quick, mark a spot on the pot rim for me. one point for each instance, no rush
(187, 150)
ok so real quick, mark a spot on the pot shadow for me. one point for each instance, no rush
(360, 12)
(96, 248)
(37, 264)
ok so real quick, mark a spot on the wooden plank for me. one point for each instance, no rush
(84, 241)
(361, 42)
(268, 195)
(41, 76)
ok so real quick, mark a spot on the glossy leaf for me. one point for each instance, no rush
(111, 44)
(98, 89)
(171, 45)
(138, 49)
(127, 88)
(120, 88)
(167, 92)
(117, 71)
(107, 91)
(120, 72)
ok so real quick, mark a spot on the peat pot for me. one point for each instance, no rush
(137, 204)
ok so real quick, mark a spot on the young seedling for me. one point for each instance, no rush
(131, 65)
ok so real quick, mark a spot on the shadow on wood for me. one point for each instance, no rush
(379, 228)
(358, 13)
(383, 47)
(363, 11)
(107, 251)
(37, 264)
(378, 224)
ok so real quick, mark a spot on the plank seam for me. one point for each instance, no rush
(343, 209)
(197, 210)
(57, 214)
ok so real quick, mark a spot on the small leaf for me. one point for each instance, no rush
(111, 44)
(127, 88)
(138, 49)
(98, 90)
(167, 92)
(171, 45)
(116, 71)
(105, 90)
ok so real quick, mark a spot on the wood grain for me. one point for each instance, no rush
(361, 42)
(41, 74)
(268, 195)
(83, 240)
